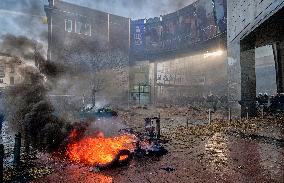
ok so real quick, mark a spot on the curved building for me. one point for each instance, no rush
(180, 57)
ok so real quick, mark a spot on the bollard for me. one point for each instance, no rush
(209, 116)
(187, 121)
(247, 113)
(1, 162)
(17, 149)
(230, 115)
(158, 127)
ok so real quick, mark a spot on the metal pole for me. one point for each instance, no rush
(187, 120)
(247, 113)
(17, 149)
(139, 93)
(262, 112)
(230, 114)
(158, 126)
(1, 161)
(84, 100)
(209, 116)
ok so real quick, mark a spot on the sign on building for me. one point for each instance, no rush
(138, 36)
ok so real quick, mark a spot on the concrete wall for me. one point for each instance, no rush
(243, 18)
(107, 31)
(9, 70)
(103, 54)
(184, 78)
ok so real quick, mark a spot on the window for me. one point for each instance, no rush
(12, 69)
(78, 27)
(1, 81)
(81, 28)
(68, 25)
(2, 71)
(88, 30)
(12, 80)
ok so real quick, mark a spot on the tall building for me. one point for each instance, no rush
(183, 54)
(93, 43)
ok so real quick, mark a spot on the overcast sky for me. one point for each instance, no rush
(129, 8)
(135, 8)
(24, 17)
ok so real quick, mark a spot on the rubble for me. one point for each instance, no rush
(25, 173)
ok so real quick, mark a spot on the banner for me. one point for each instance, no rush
(188, 25)
(221, 15)
(138, 36)
(170, 33)
(153, 34)
(206, 24)
(172, 73)
(198, 22)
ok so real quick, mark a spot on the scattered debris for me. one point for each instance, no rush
(168, 169)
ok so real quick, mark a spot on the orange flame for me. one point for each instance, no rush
(99, 150)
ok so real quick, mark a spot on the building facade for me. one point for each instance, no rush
(9, 71)
(252, 24)
(185, 52)
(95, 45)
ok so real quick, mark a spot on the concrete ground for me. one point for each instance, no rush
(238, 151)
(219, 158)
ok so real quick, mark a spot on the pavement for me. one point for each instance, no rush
(219, 158)
(239, 151)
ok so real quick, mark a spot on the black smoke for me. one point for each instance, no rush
(28, 107)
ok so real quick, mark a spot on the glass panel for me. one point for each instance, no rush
(79, 29)
(12, 80)
(87, 30)
(68, 25)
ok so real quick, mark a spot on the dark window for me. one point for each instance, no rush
(12, 69)
(1, 80)
(2, 71)
(81, 28)
(78, 27)
(88, 30)
(12, 80)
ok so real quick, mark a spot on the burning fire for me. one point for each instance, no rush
(98, 150)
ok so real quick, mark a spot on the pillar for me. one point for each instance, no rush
(278, 50)
(248, 77)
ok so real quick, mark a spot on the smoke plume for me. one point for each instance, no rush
(28, 109)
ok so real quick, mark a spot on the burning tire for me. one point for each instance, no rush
(122, 158)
